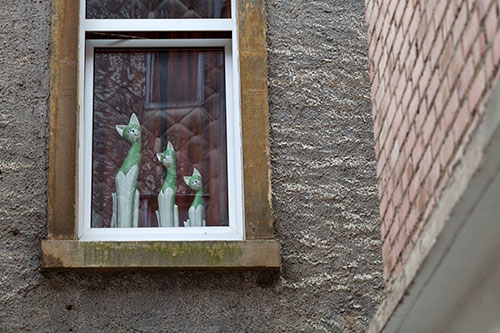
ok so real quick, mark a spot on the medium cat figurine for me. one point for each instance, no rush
(168, 212)
(126, 197)
(197, 209)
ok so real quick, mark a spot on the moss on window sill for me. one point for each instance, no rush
(206, 255)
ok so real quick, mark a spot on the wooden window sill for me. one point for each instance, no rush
(205, 255)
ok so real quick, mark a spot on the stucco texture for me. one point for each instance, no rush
(323, 183)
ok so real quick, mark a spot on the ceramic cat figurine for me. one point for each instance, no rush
(195, 212)
(126, 197)
(168, 212)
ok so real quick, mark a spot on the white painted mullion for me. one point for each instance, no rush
(81, 180)
(126, 43)
(236, 131)
(233, 178)
(161, 234)
(86, 142)
(94, 25)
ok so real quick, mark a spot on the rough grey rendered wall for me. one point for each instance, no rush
(324, 194)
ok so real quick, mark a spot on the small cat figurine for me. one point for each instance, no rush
(196, 211)
(168, 213)
(126, 197)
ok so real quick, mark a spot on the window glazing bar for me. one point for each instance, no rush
(158, 25)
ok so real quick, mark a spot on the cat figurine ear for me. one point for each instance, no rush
(120, 128)
(196, 172)
(133, 119)
(158, 155)
(170, 146)
(186, 179)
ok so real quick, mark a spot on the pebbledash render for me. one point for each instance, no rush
(311, 257)
(434, 84)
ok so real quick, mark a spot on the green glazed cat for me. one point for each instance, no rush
(126, 197)
(168, 213)
(197, 209)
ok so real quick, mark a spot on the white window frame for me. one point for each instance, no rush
(236, 228)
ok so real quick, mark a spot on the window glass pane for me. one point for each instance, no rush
(136, 9)
(178, 96)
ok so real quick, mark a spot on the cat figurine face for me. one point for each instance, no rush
(194, 182)
(167, 158)
(131, 132)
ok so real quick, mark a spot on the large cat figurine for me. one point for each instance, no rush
(168, 212)
(126, 197)
(197, 209)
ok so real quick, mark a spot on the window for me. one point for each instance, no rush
(199, 81)
(181, 94)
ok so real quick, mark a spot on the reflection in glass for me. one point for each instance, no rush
(143, 9)
(178, 96)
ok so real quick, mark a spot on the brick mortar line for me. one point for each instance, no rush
(383, 41)
(450, 128)
(452, 87)
(445, 168)
(452, 162)
(418, 48)
(396, 294)
(385, 112)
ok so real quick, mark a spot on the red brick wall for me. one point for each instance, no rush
(432, 65)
